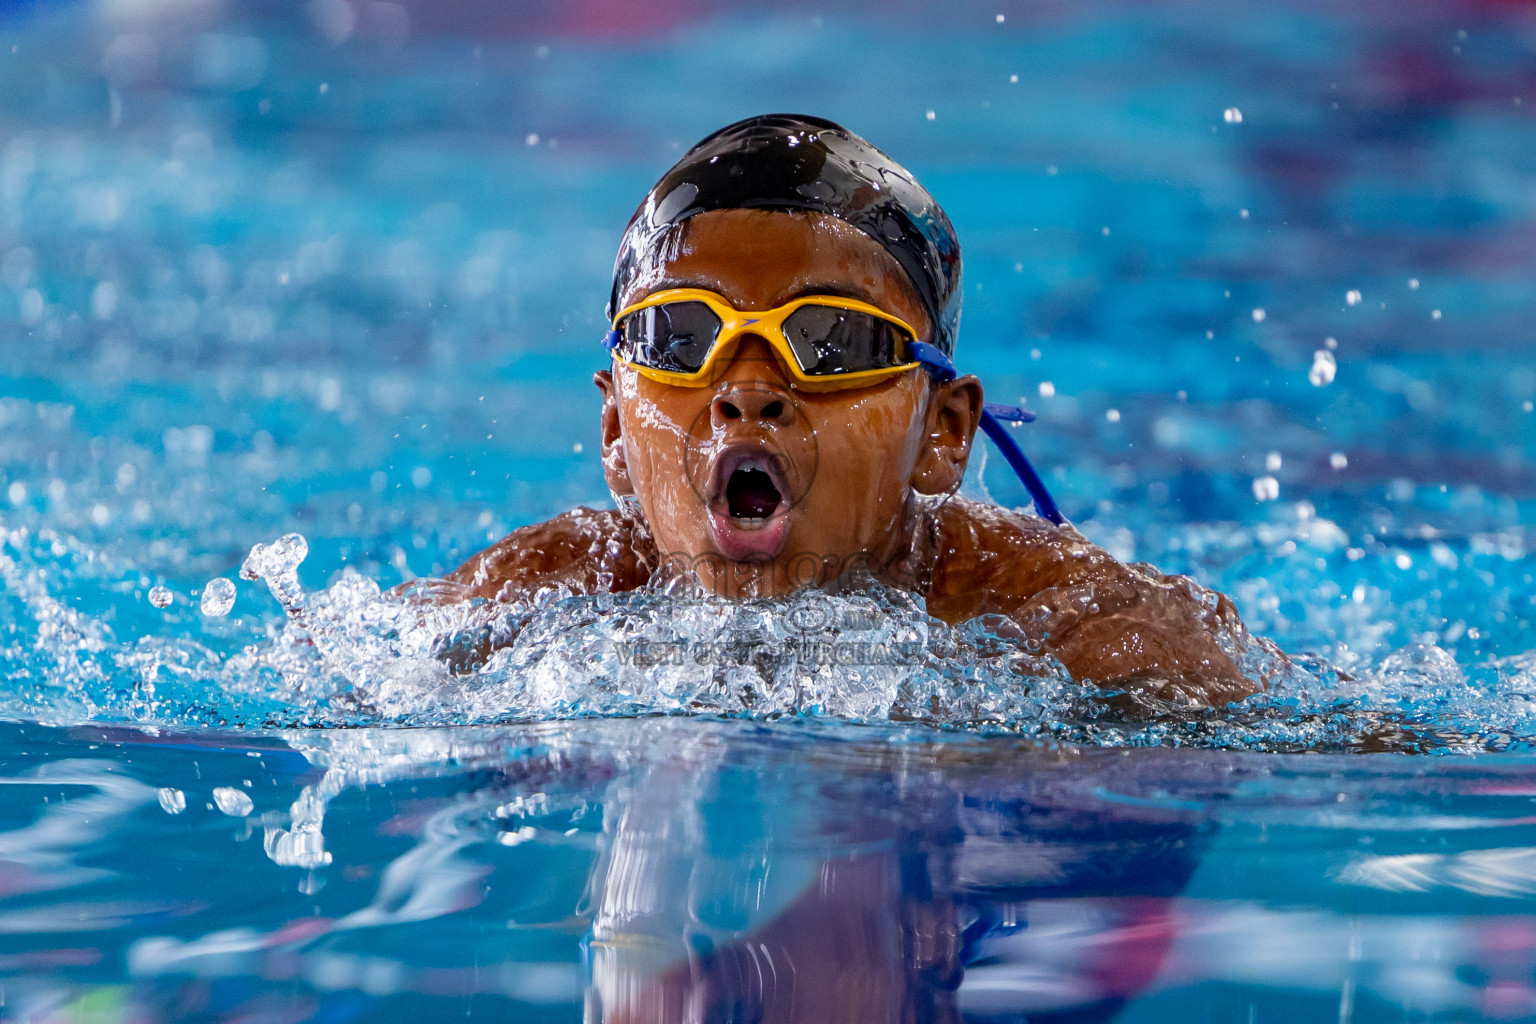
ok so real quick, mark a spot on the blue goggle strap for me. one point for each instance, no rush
(941, 369)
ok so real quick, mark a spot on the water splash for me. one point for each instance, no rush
(867, 654)
(352, 655)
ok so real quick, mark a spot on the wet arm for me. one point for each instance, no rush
(1110, 623)
(1130, 626)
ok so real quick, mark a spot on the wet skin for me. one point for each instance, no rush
(850, 469)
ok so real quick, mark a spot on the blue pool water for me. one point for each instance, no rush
(336, 270)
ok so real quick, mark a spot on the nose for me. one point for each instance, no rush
(753, 388)
(752, 402)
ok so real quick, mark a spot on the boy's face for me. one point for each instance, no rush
(758, 486)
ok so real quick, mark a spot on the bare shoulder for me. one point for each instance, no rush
(988, 554)
(1106, 621)
(585, 549)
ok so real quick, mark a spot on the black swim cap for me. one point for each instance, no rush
(791, 162)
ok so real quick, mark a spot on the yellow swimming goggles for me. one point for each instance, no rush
(826, 342)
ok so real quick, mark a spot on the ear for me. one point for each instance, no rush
(954, 412)
(615, 470)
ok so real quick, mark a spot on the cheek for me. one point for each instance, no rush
(867, 448)
(655, 429)
(652, 441)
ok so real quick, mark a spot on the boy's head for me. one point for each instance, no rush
(765, 406)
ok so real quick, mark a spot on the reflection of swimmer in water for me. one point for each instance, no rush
(781, 411)
(731, 893)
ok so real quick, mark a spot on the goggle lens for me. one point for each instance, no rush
(828, 341)
(674, 336)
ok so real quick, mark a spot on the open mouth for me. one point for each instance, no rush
(750, 502)
(750, 494)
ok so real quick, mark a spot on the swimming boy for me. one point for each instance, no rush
(781, 411)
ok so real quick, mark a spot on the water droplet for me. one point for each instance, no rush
(1413, 284)
(218, 597)
(1113, 415)
(277, 563)
(1243, 214)
(1435, 314)
(281, 556)
(160, 597)
(1352, 297)
(1259, 315)
(931, 115)
(1047, 389)
(532, 138)
(172, 801)
(232, 801)
(1324, 368)
(1330, 343)
(1338, 460)
(1266, 488)
(1232, 115)
(999, 19)
(1272, 462)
